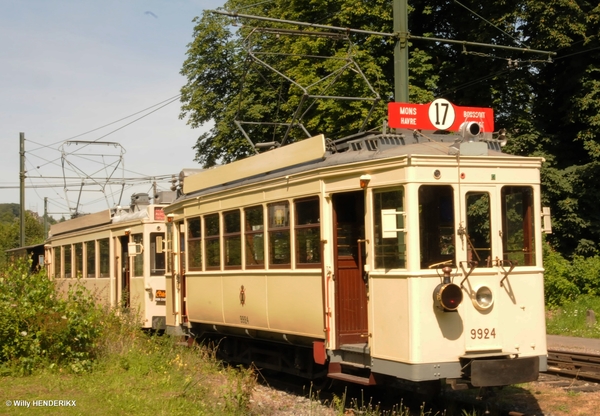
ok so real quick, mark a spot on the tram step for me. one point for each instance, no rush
(335, 372)
(364, 381)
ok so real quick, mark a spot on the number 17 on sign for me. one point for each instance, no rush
(441, 114)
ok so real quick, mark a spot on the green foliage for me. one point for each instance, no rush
(38, 328)
(566, 280)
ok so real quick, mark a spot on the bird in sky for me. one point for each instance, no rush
(151, 14)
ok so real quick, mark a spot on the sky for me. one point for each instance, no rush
(68, 67)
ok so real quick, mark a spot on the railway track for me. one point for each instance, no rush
(574, 364)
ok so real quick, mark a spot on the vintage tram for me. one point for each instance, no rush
(117, 254)
(381, 258)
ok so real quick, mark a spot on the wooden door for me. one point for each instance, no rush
(351, 289)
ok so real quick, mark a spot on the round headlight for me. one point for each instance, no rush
(484, 298)
(447, 296)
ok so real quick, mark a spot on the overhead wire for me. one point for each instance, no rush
(491, 24)
(34, 153)
(175, 97)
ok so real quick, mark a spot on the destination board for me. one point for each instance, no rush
(440, 114)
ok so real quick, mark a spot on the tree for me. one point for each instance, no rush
(550, 109)
(566, 117)
(10, 232)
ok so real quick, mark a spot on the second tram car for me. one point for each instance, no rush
(385, 258)
(119, 255)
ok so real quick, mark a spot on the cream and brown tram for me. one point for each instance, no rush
(118, 254)
(383, 258)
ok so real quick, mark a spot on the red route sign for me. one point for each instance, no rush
(438, 115)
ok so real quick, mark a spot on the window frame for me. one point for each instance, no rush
(194, 240)
(210, 239)
(310, 226)
(155, 256)
(90, 274)
(228, 236)
(378, 227)
(284, 229)
(251, 234)
(103, 261)
(528, 219)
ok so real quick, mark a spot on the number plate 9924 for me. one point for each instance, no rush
(483, 333)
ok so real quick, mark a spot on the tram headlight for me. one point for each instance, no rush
(447, 296)
(483, 298)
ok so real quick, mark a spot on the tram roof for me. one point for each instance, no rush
(312, 154)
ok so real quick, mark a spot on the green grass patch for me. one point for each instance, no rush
(571, 319)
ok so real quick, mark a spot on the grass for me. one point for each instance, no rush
(142, 375)
(139, 374)
(572, 320)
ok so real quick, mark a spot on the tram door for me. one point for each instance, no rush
(181, 271)
(349, 255)
(125, 273)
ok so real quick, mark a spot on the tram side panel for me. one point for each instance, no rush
(279, 303)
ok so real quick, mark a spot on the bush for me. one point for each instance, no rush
(559, 286)
(39, 328)
(565, 281)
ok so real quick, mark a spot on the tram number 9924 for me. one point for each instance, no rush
(483, 333)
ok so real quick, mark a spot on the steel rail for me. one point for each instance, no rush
(574, 364)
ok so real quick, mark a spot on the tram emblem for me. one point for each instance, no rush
(242, 295)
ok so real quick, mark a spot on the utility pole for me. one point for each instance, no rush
(22, 186)
(400, 14)
(45, 217)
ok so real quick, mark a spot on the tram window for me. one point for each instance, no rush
(436, 224)
(479, 245)
(90, 259)
(279, 234)
(68, 265)
(169, 247)
(232, 239)
(104, 251)
(78, 267)
(157, 254)
(194, 243)
(57, 263)
(518, 241)
(390, 238)
(213, 246)
(308, 232)
(138, 259)
(254, 234)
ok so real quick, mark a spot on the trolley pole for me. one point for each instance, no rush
(22, 183)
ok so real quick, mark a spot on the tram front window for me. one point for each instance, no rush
(436, 225)
(157, 254)
(478, 229)
(138, 260)
(518, 236)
